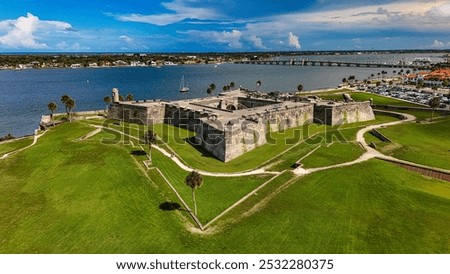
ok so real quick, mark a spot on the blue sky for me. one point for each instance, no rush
(226, 25)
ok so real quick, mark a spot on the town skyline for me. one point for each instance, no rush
(222, 26)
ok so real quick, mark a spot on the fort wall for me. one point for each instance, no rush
(343, 113)
(149, 114)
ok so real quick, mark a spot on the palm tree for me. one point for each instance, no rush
(225, 88)
(209, 91)
(64, 99)
(300, 87)
(52, 106)
(232, 85)
(107, 101)
(129, 97)
(194, 180)
(434, 104)
(258, 83)
(70, 104)
(212, 86)
(121, 98)
(150, 138)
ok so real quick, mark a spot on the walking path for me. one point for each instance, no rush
(35, 139)
(189, 169)
(370, 152)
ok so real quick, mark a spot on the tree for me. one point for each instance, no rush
(434, 104)
(194, 180)
(212, 86)
(300, 87)
(232, 85)
(129, 97)
(64, 99)
(121, 98)
(209, 91)
(225, 88)
(52, 106)
(150, 138)
(107, 101)
(70, 104)
(344, 80)
(258, 84)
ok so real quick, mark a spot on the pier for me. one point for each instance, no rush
(322, 63)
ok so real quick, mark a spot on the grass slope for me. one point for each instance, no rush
(364, 96)
(373, 207)
(63, 196)
(427, 144)
(216, 193)
(78, 197)
(6, 147)
(335, 154)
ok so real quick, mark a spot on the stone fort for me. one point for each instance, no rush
(236, 122)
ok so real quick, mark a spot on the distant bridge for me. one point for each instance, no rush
(306, 62)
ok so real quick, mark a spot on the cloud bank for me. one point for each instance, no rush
(23, 32)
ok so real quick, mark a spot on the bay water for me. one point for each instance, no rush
(24, 94)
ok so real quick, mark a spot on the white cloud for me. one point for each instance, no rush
(440, 44)
(437, 44)
(179, 11)
(74, 47)
(293, 41)
(256, 41)
(125, 38)
(417, 16)
(23, 31)
(231, 38)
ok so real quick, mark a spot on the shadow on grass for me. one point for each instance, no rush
(169, 206)
(138, 153)
(191, 141)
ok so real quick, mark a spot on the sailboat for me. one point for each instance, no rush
(183, 87)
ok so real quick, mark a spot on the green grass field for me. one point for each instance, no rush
(6, 147)
(373, 207)
(427, 144)
(365, 96)
(216, 193)
(68, 196)
(337, 153)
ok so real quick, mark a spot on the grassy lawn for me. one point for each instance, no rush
(427, 144)
(365, 96)
(67, 196)
(15, 145)
(337, 153)
(420, 114)
(80, 197)
(373, 207)
(215, 195)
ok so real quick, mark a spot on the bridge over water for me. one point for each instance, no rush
(306, 62)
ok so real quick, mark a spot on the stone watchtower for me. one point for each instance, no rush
(115, 95)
